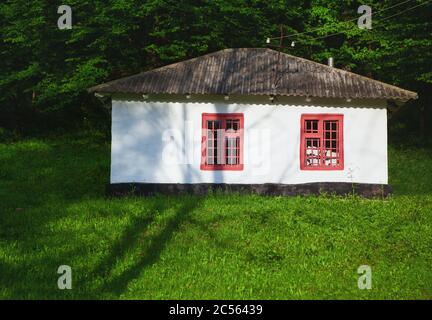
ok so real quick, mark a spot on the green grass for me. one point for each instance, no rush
(53, 212)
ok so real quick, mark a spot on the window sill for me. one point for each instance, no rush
(340, 168)
(206, 167)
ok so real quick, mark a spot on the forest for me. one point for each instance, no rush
(55, 158)
(45, 70)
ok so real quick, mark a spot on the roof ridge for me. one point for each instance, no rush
(229, 67)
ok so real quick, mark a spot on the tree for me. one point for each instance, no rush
(45, 71)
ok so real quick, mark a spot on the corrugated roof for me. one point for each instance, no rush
(254, 71)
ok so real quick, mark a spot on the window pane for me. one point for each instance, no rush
(232, 124)
(213, 141)
(311, 126)
(313, 155)
(331, 138)
(232, 151)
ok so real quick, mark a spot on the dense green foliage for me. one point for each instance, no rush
(52, 205)
(44, 71)
(53, 212)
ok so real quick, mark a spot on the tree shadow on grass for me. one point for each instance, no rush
(135, 238)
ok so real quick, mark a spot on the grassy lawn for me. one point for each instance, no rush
(53, 212)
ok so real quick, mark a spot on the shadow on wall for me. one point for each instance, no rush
(139, 144)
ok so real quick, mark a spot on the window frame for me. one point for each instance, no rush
(240, 134)
(321, 117)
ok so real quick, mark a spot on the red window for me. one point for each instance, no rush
(321, 142)
(222, 141)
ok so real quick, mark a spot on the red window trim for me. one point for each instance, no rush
(303, 136)
(223, 117)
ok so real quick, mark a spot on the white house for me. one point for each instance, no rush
(253, 120)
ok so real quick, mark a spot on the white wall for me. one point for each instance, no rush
(148, 135)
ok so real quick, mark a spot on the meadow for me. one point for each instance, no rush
(53, 211)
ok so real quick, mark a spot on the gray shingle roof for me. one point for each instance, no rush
(254, 71)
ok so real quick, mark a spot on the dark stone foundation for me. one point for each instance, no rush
(270, 189)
